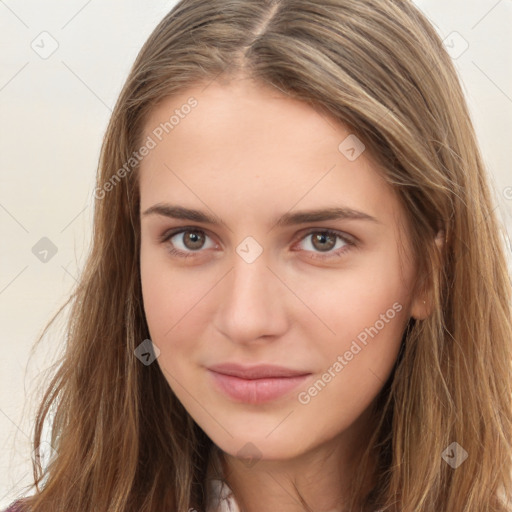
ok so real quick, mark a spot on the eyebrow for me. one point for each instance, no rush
(287, 219)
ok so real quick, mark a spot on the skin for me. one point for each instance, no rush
(249, 154)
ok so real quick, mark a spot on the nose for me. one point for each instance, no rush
(252, 302)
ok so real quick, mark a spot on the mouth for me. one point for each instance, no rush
(256, 384)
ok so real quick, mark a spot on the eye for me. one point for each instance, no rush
(320, 242)
(188, 241)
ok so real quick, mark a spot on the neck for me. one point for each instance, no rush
(321, 476)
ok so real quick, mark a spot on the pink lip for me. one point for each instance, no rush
(255, 384)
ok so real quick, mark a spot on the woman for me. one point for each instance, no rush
(297, 296)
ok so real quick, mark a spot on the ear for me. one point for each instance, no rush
(421, 306)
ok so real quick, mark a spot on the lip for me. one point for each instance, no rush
(259, 371)
(255, 384)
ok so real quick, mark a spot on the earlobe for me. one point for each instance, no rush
(440, 239)
(421, 307)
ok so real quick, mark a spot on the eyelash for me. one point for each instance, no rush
(348, 240)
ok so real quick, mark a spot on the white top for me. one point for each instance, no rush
(223, 499)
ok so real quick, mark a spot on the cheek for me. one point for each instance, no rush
(176, 308)
(357, 360)
(352, 300)
(165, 291)
(162, 306)
(162, 296)
(365, 313)
(154, 293)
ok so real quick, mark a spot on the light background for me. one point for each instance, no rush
(54, 112)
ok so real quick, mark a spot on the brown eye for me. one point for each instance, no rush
(323, 241)
(193, 240)
(324, 244)
(186, 242)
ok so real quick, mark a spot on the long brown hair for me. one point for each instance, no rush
(123, 440)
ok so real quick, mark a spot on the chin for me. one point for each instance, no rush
(259, 447)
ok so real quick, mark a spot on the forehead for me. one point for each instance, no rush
(248, 148)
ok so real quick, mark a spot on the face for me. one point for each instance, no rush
(257, 278)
